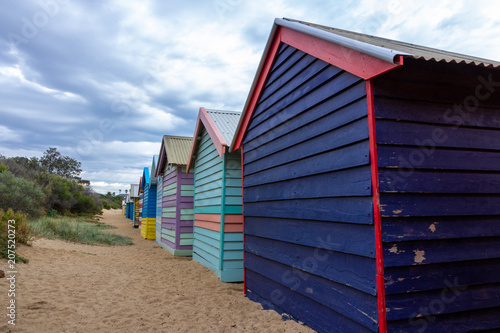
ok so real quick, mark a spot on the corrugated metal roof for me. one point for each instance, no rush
(391, 46)
(134, 190)
(177, 148)
(226, 123)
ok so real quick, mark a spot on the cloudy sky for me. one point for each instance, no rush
(103, 80)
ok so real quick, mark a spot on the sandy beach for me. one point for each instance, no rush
(69, 287)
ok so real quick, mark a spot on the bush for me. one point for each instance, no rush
(20, 195)
(77, 231)
(23, 232)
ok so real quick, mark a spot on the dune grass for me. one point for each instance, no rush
(78, 230)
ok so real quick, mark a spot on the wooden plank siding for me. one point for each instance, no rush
(309, 227)
(148, 227)
(438, 145)
(177, 210)
(209, 211)
(136, 212)
(159, 207)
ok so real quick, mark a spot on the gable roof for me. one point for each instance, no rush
(173, 150)
(145, 178)
(383, 48)
(225, 122)
(221, 127)
(154, 165)
(362, 55)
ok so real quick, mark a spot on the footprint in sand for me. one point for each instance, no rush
(37, 305)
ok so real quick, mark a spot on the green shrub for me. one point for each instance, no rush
(20, 194)
(23, 232)
(77, 231)
(52, 213)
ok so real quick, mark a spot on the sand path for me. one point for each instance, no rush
(70, 287)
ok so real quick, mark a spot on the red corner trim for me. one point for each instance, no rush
(376, 209)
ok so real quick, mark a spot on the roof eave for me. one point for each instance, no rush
(215, 136)
(375, 51)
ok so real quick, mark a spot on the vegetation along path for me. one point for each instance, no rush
(68, 287)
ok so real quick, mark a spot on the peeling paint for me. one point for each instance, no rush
(394, 249)
(432, 227)
(397, 211)
(309, 290)
(401, 279)
(389, 281)
(419, 256)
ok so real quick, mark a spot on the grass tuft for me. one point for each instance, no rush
(78, 230)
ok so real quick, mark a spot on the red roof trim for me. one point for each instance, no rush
(352, 61)
(215, 136)
(355, 62)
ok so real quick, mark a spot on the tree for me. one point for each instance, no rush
(60, 165)
(20, 194)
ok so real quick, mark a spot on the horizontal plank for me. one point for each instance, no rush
(484, 320)
(341, 237)
(430, 181)
(342, 158)
(204, 258)
(440, 251)
(410, 158)
(343, 136)
(349, 182)
(407, 279)
(351, 303)
(437, 113)
(288, 303)
(292, 126)
(463, 299)
(458, 92)
(408, 204)
(305, 75)
(302, 63)
(282, 63)
(444, 227)
(350, 270)
(306, 97)
(413, 134)
(349, 209)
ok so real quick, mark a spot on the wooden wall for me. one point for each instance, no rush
(141, 203)
(148, 223)
(177, 211)
(209, 211)
(159, 207)
(136, 211)
(309, 236)
(438, 135)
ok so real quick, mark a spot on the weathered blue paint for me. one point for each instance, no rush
(218, 239)
(308, 196)
(439, 197)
